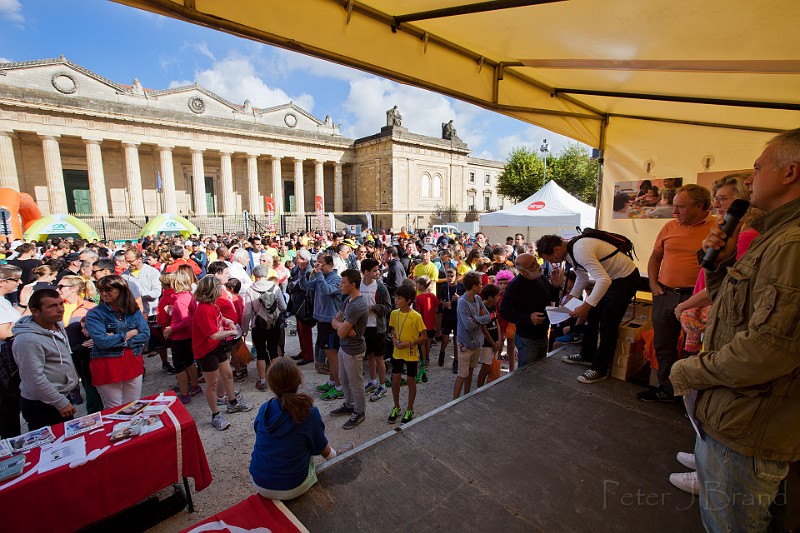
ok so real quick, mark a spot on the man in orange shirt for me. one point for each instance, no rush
(673, 270)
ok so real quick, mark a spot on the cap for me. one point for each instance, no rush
(350, 243)
(72, 257)
(427, 248)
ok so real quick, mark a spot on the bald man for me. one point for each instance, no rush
(523, 304)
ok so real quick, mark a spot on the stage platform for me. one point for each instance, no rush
(533, 451)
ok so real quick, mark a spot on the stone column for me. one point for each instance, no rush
(226, 173)
(277, 184)
(8, 163)
(199, 183)
(299, 193)
(170, 204)
(252, 184)
(97, 179)
(134, 174)
(56, 192)
(338, 189)
(319, 183)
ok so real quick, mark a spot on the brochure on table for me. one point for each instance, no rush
(62, 453)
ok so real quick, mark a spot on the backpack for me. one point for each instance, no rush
(620, 242)
(268, 313)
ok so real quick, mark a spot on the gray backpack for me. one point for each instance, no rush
(267, 314)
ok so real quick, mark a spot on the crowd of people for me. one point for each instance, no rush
(76, 312)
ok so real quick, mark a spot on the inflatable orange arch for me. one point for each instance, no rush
(20, 212)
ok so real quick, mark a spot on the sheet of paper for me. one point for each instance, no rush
(557, 315)
(62, 454)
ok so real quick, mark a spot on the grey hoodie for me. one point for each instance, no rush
(44, 361)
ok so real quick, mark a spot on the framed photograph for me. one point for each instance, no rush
(82, 425)
(128, 411)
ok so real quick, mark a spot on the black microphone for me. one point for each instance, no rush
(735, 213)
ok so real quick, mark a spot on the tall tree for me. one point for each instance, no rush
(522, 176)
(575, 171)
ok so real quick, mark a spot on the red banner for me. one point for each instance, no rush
(319, 206)
(253, 514)
(270, 212)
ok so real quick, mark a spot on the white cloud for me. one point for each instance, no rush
(423, 111)
(4, 60)
(11, 10)
(236, 79)
(179, 83)
(531, 138)
(286, 62)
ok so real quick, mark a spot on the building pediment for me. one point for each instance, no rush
(60, 76)
(194, 99)
(292, 116)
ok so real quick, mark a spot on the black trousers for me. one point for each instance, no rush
(39, 414)
(267, 343)
(604, 321)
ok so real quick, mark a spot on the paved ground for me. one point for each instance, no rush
(229, 451)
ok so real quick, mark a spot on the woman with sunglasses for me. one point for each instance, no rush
(73, 292)
(120, 333)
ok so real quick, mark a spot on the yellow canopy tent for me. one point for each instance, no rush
(169, 224)
(665, 88)
(59, 226)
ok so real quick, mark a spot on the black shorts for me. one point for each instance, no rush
(327, 337)
(182, 355)
(211, 362)
(376, 342)
(449, 325)
(411, 367)
(431, 334)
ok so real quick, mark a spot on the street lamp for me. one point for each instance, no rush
(545, 149)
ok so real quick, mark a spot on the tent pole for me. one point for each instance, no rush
(600, 164)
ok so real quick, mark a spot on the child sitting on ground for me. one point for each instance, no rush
(289, 433)
(408, 333)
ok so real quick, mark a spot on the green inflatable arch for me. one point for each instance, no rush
(59, 226)
(169, 224)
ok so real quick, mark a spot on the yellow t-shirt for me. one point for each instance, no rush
(463, 268)
(406, 327)
(429, 270)
(68, 310)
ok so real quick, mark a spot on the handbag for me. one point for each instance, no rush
(494, 370)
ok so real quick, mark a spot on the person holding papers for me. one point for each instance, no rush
(616, 278)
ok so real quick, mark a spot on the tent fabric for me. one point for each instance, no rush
(59, 226)
(551, 209)
(170, 224)
(572, 67)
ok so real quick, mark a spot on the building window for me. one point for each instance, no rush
(487, 200)
(471, 200)
(471, 177)
(437, 186)
(425, 189)
(487, 179)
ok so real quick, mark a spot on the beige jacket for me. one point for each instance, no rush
(748, 376)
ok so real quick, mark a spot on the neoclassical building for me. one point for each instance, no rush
(80, 143)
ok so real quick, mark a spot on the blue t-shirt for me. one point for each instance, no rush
(283, 448)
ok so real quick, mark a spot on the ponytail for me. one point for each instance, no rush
(284, 379)
(298, 405)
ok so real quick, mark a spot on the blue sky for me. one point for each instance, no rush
(121, 43)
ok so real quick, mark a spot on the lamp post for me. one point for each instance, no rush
(545, 149)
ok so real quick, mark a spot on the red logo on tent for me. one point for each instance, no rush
(535, 206)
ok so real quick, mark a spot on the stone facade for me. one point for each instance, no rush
(78, 142)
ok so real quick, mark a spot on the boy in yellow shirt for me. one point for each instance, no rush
(408, 332)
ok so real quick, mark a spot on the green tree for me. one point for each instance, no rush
(522, 176)
(575, 171)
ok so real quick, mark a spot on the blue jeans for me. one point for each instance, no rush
(736, 491)
(529, 350)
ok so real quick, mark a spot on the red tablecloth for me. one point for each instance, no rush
(67, 499)
(253, 514)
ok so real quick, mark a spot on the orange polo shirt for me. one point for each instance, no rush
(680, 243)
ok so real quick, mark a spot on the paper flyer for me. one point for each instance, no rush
(82, 425)
(32, 439)
(61, 454)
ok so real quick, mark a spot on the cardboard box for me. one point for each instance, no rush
(631, 332)
(626, 366)
(627, 348)
(642, 312)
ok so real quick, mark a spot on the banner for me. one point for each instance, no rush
(369, 220)
(332, 220)
(270, 202)
(319, 207)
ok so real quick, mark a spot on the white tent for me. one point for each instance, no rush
(551, 209)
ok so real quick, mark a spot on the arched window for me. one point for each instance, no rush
(425, 187)
(437, 186)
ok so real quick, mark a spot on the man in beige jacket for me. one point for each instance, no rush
(748, 376)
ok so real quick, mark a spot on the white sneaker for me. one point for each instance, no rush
(241, 406)
(220, 422)
(380, 392)
(687, 460)
(686, 481)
